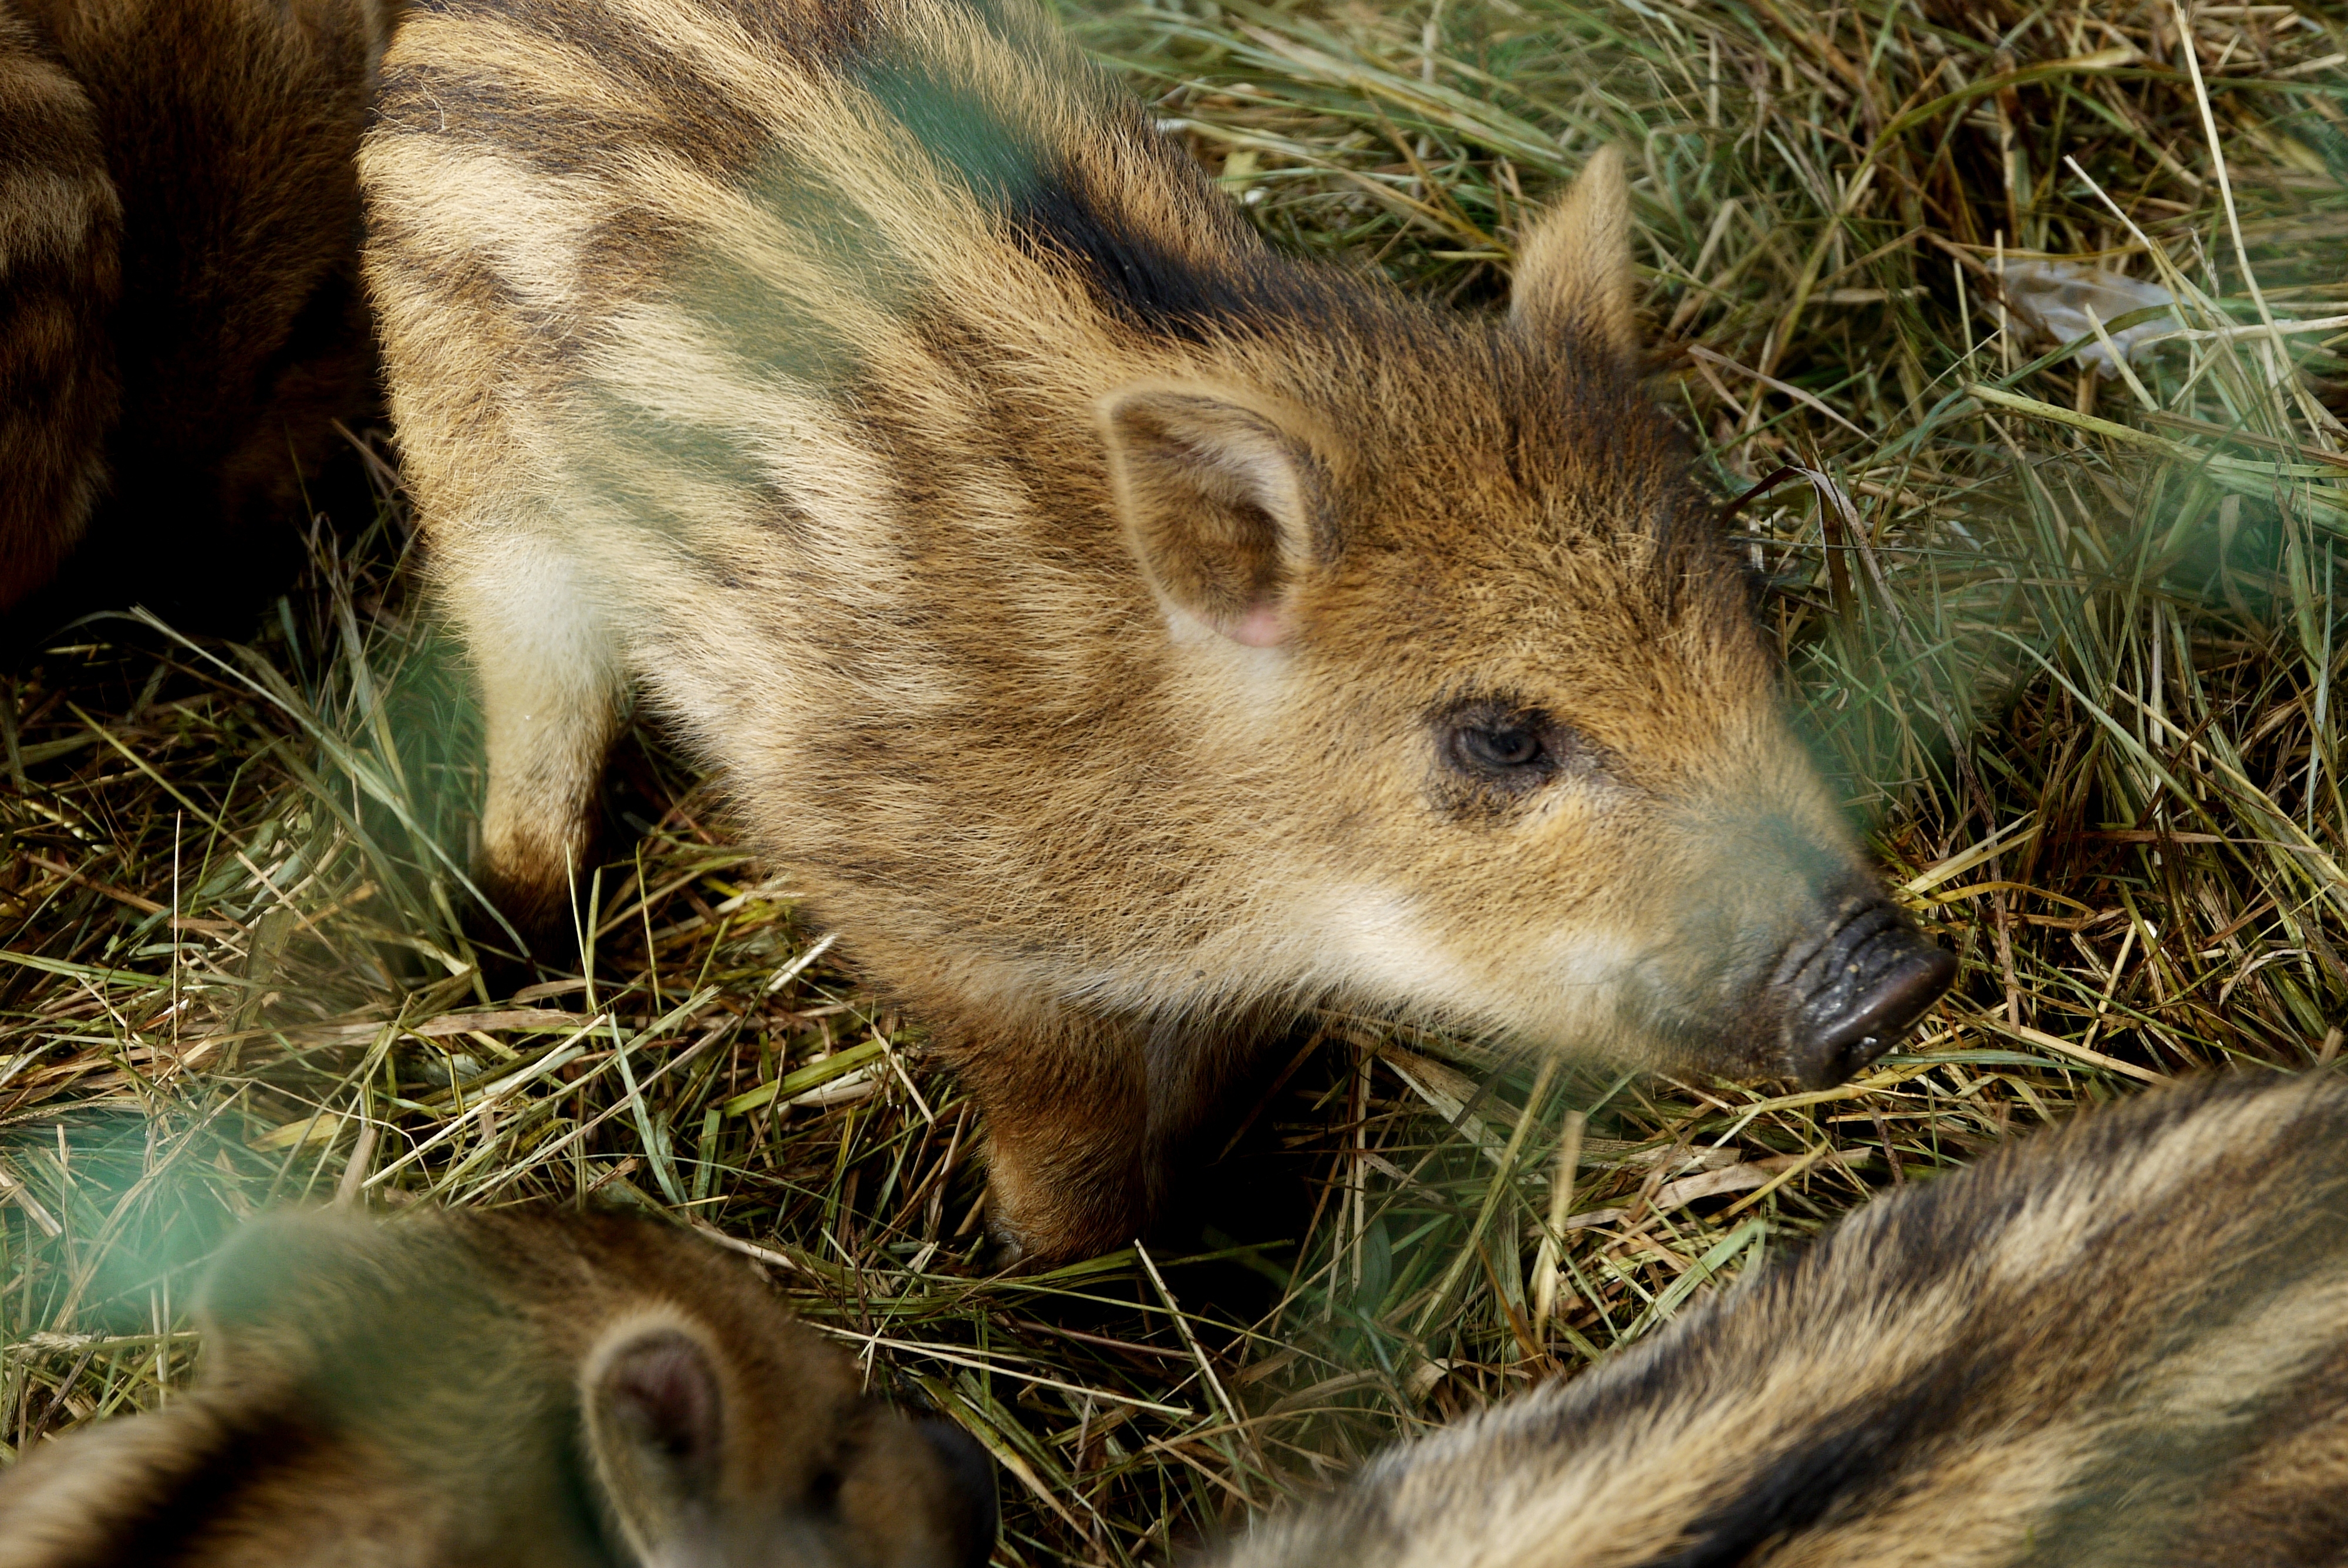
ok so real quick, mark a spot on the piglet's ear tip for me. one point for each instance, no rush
(1601, 174)
(1574, 279)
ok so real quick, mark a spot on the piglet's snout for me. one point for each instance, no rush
(1850, 996)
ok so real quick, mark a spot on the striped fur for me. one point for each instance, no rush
(1087, 604)
(60, 238)
(181, 320)
(501, 1390)
(2121, 1343)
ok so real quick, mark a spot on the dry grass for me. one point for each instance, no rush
(2070, 644)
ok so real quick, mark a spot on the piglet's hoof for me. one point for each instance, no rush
(1020, 1244)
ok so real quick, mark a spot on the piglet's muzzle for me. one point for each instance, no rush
(1850, 996)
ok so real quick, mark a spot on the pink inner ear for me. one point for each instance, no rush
(1259, 628)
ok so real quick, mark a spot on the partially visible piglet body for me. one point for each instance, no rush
(180, 325)
(1127, 635)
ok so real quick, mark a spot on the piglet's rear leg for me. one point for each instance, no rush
(1066, 1110)
(1092, 1123)
(553, 696)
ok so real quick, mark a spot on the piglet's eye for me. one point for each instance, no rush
(1502, 747)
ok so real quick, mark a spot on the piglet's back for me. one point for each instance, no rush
(2123, 1343)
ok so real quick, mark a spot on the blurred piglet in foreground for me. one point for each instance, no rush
(491, 1390)
(1126, 635)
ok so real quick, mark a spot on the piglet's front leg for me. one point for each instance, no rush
(553, 697)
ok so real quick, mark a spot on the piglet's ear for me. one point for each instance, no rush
(655, 1419)
(1573, 270)
(1222, 503)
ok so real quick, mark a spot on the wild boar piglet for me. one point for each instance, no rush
(502, 1390)
(1126, 635)
(180, 318)
(2120, 1344)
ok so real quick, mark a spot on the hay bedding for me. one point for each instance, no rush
(2069, 640)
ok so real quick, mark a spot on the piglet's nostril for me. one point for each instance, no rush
(1858, 992)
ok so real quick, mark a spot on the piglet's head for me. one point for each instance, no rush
(1468, 699)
